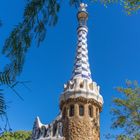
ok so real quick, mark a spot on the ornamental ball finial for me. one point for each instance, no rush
(83, 7)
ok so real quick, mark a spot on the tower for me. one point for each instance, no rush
(81, 102)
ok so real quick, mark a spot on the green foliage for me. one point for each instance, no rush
(37, 15)
(126, 112)
(4, 80)
(131, 6)
(18, 135)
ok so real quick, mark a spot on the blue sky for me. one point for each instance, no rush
(114, 46)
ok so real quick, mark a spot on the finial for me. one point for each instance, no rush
(82, 7)
(38, 122)
(82, 14)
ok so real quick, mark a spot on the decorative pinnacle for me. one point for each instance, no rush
(82, 14)
(83, 7)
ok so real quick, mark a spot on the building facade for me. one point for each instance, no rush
(80, 102)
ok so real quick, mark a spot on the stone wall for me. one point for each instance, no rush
(78, 127)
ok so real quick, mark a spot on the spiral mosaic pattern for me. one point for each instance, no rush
(81, 65)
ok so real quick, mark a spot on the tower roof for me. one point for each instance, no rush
(81, 66)
(81, 84)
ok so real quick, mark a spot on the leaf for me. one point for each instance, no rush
(38, 14)
(126, 111)
(5, 78)
(2, 104)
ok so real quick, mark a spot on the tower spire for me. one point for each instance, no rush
(81, 83)
(80, 102)
(81, 65)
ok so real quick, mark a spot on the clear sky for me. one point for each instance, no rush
(114, 55)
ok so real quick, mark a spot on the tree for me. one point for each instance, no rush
(126, 112)
(18, 135)
(6, 79)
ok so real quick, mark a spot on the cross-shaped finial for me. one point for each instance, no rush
(83, 7)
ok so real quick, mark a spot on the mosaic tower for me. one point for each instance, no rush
(80, 102)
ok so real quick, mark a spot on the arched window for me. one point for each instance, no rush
(81, 110)
(64, 112)
(71, 110)
(90, 111)
(81, 85)
(43, 131)
(54, 128)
